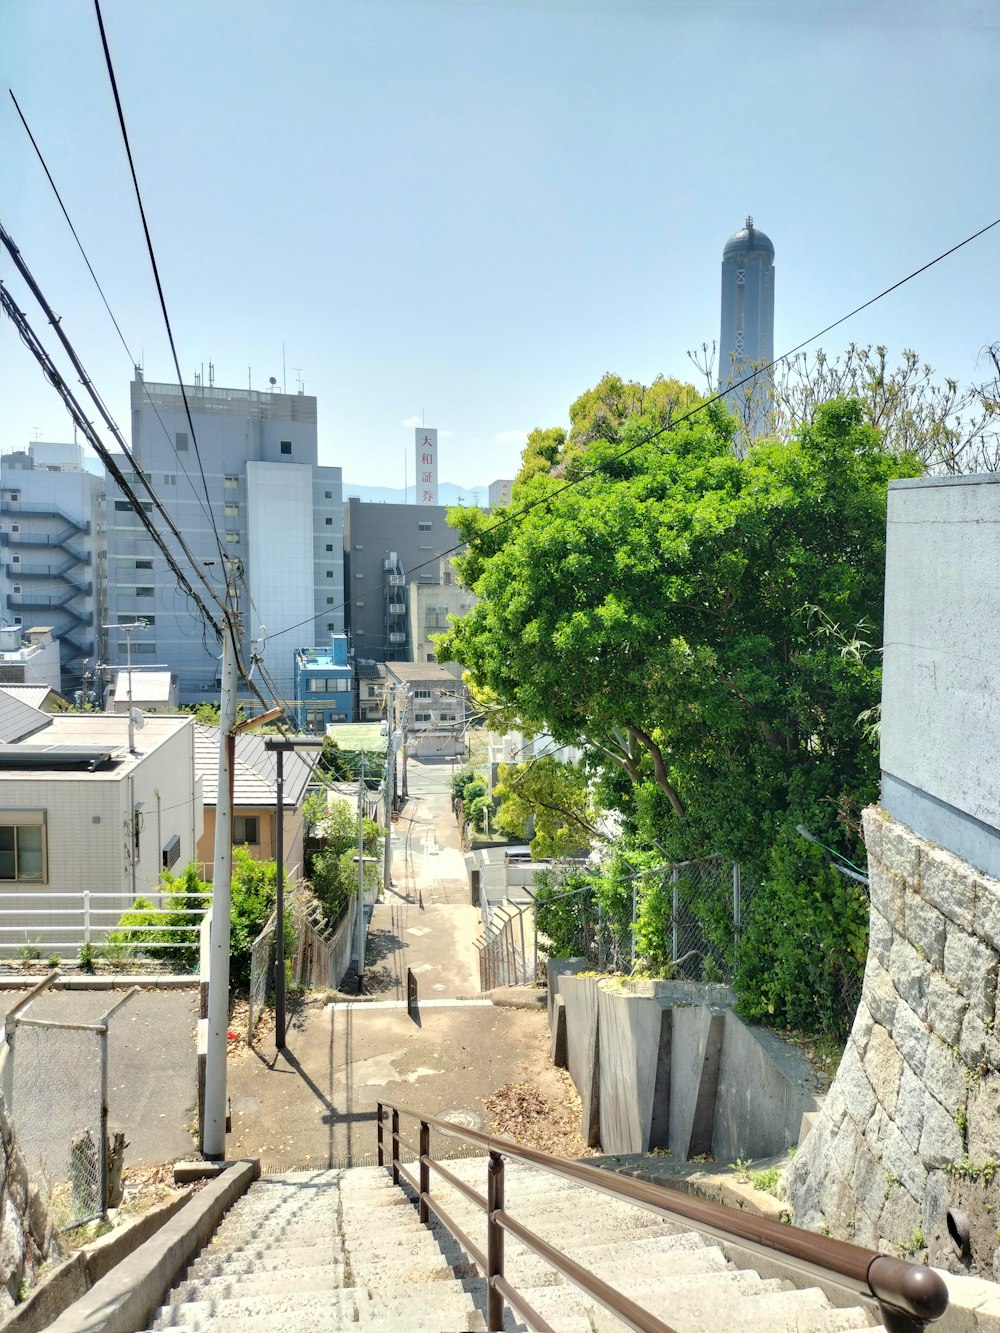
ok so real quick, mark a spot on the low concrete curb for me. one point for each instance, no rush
(74, 1278)
(518, 997)
(125, 1300)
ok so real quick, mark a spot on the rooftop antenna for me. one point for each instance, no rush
(284, 377)
(128, 630)
(38, 433)
(211, 373)
(298, 376)
(198, 374)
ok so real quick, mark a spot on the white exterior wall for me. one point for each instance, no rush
(940, 712)
(88, 823)
(280, 570)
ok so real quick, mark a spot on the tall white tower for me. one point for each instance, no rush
(746, 338)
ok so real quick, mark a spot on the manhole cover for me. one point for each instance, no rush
(463, 1118)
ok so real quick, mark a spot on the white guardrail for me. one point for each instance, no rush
(44, 925)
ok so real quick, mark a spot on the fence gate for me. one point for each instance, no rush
(59, 1109)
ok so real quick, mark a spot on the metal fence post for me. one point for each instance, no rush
(395, 1146)
(737, 891)
(524, 957)
(102, 1147)
(381, 1146)
(494, 1242)
(674, 877)
(635, 904)
(425, 1170)
(86, 918)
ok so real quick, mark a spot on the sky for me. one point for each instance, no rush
(464, 212)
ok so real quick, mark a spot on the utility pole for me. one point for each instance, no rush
(360, 923)
(402, 727)
(390, 776)
(214, 1133)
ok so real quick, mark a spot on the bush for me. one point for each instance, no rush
(565, 918)
(169, 927)
(802, 954)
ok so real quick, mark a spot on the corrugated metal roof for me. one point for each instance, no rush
(256, 770)
(35, 695)
(150, 686)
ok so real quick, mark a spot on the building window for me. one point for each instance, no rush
(22, 848)
(246, 829)
(359, 546)
(329, 601)
(15, 496)
(359, 576)
(231, 483)
(329, 522)
(329, 547)
(181, 441)
(15, 527)
(231, 510)
(421, 717)
(16, 588)
(15, 560)
(233, 538)
(126, 506)
(331, 625)
(449, 717)
(170, 479)
(329, 573)
(360, 603)
(421, 694)
(286, 446)
(328, 495)
(423, 527)
(144, 647)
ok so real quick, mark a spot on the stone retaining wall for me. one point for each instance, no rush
(911, 1126)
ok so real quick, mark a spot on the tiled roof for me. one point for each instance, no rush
(256, 770)
(35, 695)
(19, 719)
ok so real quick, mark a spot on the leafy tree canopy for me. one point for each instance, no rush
(551, 797)
(692, 616)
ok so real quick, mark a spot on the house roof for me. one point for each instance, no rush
(87, 735)
(410, 673)
(366, 670)
(148, 686)
(38, 696)
(256, 770)
(19, 719)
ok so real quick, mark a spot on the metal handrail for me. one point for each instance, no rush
(909, 1296)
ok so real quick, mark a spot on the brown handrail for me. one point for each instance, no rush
(909, 1296)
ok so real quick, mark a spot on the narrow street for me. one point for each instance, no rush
(314, 1103)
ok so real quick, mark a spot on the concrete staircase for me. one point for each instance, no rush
(325, 1250)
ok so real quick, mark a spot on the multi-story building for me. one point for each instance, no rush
(500, 493)
(253, 488)
(746, 336)
(433, 606)
(30, 657)
(431, 699)
(52, 531)
(386, 548)
(324, 685)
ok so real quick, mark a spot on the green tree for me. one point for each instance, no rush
(672, 610)
(551, 797)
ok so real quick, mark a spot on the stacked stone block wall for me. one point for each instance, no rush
(911, 1125)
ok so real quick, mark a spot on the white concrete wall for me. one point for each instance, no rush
(280, 570)
(940, 704)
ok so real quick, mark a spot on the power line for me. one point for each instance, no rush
(509, 516)
(97, 284)
(156, 271)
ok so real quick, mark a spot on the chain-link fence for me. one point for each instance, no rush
(59, 1110)
(680, 920)
(508, 947)
(262, 954)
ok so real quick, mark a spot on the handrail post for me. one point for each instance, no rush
(425, 1170)
(494, 1242)
(379, 1133)
(395, 1146)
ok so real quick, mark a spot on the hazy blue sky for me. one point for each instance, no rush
(473, 208)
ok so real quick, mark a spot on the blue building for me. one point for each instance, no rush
(324, 685)
(746, 336)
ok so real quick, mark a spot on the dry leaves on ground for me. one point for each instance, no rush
(521, 1112)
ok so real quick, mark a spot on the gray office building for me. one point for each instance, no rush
(273, 507)
(746, 337)
(386, 548)
(52, 530)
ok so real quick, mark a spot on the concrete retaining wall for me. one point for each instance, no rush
(665, 1064)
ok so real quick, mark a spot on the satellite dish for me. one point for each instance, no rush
(272, 381)
(138, 721)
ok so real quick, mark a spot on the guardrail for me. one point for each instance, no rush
(40, 924)
(909, 1296)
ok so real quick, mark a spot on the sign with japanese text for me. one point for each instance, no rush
(427, 466)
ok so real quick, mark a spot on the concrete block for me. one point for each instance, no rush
(764, 1088)
(558, 1043)
(579, 995)
(634, 1061)
(559, 967)
(696, 1051)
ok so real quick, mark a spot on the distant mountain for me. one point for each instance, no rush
(448, 494)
